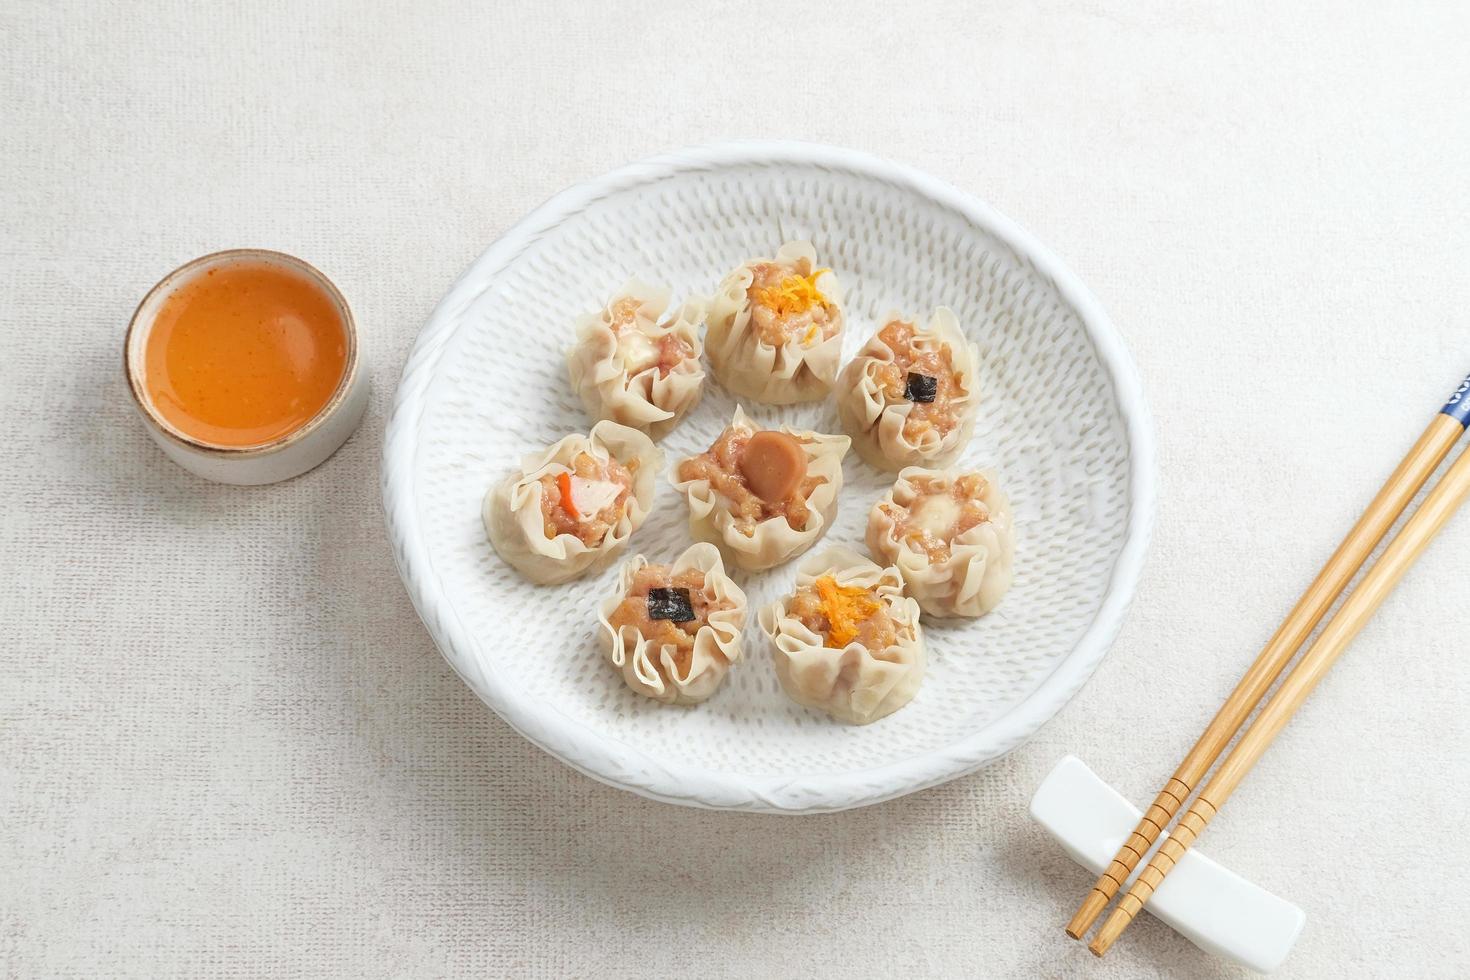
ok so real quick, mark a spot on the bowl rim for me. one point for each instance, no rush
(631, 768)
(140, 327)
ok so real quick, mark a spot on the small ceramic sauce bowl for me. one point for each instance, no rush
(290, 453)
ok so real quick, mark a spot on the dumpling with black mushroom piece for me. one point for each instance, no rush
(909, 397)
(950, 535)
(673, 631)
(775, 328)
(847, 641)
(573, 506)
(763, 496)
(630, 367)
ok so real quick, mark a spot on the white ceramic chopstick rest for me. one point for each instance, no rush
(1211, 906)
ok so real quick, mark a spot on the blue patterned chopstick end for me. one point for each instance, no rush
(1458, 407)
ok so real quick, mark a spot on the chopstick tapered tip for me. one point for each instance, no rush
(1087, 914)
(1110, 931)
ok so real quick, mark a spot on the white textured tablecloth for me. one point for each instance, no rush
(227, 747)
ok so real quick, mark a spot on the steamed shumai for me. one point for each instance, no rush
(909, 397)
(673, 631)
(762, 496)
(632, 367)
(775, 328)
(950, 534)
(847, 641)
(573, 506)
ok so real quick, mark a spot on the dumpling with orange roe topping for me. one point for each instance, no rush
(775, 328)
(847, 641)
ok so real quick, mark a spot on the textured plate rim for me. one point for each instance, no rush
(630, 768)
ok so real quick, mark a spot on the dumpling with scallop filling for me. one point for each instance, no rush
(950, 534)
(847, 641)
(762, 496)
(673, 631)
(909, 397)
(572, 506)
(775, 328)
(629, 367)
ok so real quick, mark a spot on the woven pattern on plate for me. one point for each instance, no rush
(1061, 420)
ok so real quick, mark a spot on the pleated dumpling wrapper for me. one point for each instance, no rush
(573, 506)
(630, 368)
(847, 641)
(775, 328)
(763, 496)
(909, 397)
(673, 631)
(951, 536)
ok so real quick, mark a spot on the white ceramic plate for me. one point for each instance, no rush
(1062, 421)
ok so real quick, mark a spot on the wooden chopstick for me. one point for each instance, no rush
(1428, 452)
(1439, 505)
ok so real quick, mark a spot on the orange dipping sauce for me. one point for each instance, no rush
(244, 353)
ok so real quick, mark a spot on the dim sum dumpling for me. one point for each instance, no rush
(847, 641)
(909, 397)
(950, 534)
(762, 496)
(674, 630)
(629, 368)
(775, 328)
(574, 505)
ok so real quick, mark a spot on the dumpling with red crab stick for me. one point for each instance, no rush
(631, 367)
(673, 630)
(950, 535)
(775, 328)
(573, 505)
(909, 397)
(847, 641)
